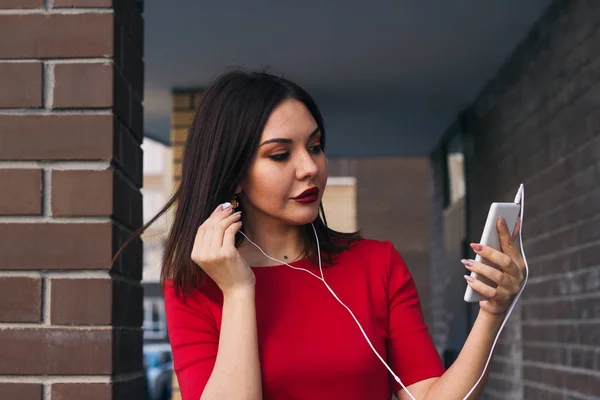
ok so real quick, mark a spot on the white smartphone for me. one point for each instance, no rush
(510, 213)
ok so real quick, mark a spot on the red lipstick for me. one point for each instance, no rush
(308, 196)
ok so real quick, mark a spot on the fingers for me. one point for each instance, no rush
(508, 245)
(491, 273)
(229, 235)
(502, 260)
(506, 242)
(480, 287)
(221, 227)
(498, 294)
(205, 233)
(516, 230)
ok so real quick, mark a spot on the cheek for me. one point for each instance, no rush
(267, 183)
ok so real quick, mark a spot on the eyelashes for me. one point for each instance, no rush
(284, 156)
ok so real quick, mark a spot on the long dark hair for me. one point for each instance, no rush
(220, 146)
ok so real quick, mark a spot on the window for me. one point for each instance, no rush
(454, 166)
(155, 321)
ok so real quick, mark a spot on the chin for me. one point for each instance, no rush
(305, 216)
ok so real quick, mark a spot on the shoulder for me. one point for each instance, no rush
(378, 255)
(370, 249)
(200, 299)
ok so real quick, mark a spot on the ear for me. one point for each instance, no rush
(238, 189)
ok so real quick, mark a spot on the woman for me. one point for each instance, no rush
(245, 319)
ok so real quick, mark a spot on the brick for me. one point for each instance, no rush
(179, 135)
(56, 351)
(127, 351)
(127, 202)
(83, 85)
(21, 4)
(178, 153)
(585, 384)
(82, 3)
(182, 101)
(127, 304)
(122, 99)
(96, 193)
(182, 119)
(128, 153)
(120, 390)
(68, 391)
(81, 301)
(21, 85)
(21, 391)
(57, 35)
(130, 62)
(136, 122)
(35, 246)
(129, 262)
(20, 300)
(546, 354)
(82, 193)
(96, 302)
(21, 192)
(582, 334)
(52, 137)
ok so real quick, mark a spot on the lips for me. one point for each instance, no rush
(308, 196)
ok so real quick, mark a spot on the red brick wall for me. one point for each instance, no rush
(71, 89)
(538, 122)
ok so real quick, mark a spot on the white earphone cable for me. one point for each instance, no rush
(519, 199)
(322, 278)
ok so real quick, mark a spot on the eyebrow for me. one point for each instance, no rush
(281, 140)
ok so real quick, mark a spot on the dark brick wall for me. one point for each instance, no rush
(71, 125)
(538, 122)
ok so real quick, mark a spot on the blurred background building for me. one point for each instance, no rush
(434, 110)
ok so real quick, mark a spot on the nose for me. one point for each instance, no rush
(306, 167)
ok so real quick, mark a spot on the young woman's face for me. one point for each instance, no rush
(286, 179)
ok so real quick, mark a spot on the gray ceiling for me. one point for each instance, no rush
(389, 76)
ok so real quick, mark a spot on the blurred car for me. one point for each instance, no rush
(158, 363)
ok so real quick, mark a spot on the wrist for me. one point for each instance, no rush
(239, 292)
(493, 319)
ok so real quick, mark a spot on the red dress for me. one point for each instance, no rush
(309, 345)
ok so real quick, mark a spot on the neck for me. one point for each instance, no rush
(279, 240)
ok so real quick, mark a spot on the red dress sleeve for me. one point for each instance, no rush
(194, 341)
(411, 351)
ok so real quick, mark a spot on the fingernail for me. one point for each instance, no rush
(476, 247)
(237, 213)
(226, 206)
(502, 220)
(468, 278)
(467, 263)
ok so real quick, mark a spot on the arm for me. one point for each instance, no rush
(468, 367)
(212, 361)
(456, 382)
(236, 374)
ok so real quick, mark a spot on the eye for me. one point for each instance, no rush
(280, 157)
(315, 149)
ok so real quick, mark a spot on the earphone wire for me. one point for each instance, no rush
(322, 278)
(519, 199)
